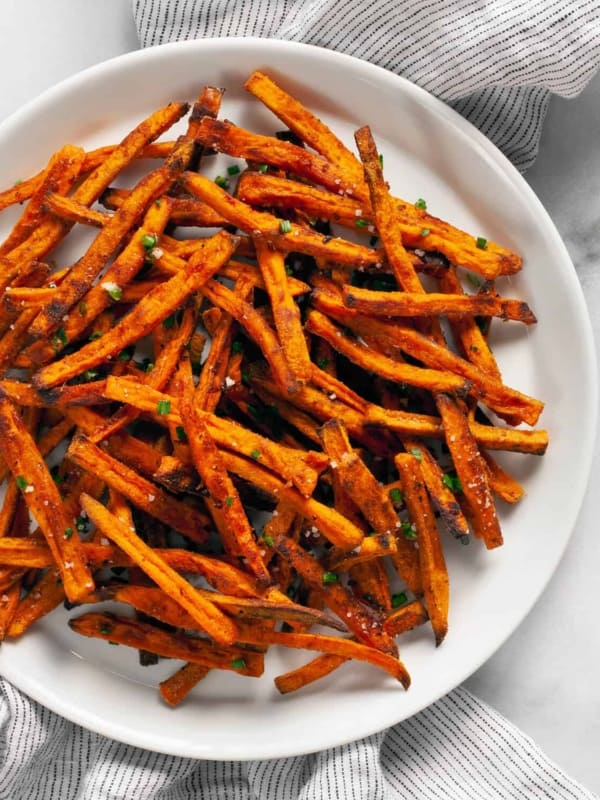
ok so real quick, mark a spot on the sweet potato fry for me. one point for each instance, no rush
(407, 304)
(471, 471)
(434, 573)
(493, 393)
(175, 688)
(308, 127)
(338, 530)
(44, 597)
(286, 313)
(208, 617)
(20, 452)
(153, 309)
(370, 360)
(140, 491)
(140, 635)
(222, 500)
(289, 237)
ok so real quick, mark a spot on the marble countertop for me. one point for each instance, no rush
(544, 678)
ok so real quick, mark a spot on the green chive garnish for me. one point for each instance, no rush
(420, 203)
(417, 453)
(238, 663)
(330, 577)
(425, 232)
(323, 363)
(399, 599)
(452, 482)
(396, 495)
(229, 501)
(163, 407)
(361, 223)
(95, 335)
(481, 243)
(255, 454)
(181, 434)
(222, 182)
(237, 346)
(409, 531)
(233, 169)
(68, 533)
(263, 168)
(149, 240)
(285, 226)
(21, 482)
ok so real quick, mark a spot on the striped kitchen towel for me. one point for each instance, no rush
(495, 61)
(458, 749)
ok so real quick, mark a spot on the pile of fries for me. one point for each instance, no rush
(221, 353)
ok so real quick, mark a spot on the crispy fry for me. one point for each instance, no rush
(471, 470)
(407, 304)
(175, 688)
(140, 635)
(372, 361)
(150, 311)
(296, 239)
(210, 620)
(142, 492)
(431, 557)
(39, 490)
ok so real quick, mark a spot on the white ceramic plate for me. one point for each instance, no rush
(430, 152)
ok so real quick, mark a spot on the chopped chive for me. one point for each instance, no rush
(68, 533)
(361, 223)
(267, 539)
(373, 241)
(181, 434)
(115, 293)
(238, 663)
(421, 204)
(126, 354)
(95, 335)
(452, 482)
(381, 160)
(18, 182)
(91, 374)
(262, 168)
(473, 280)
(285, 226)
(233, 169)
(21, 482)
(425, 232)
(60, 338)
(417, 453)
(255, 454)
(409, 530)
(481, 243)
(288, 270)
(237, 346)
(323, 363)
(222, 182)
(149, 240)
(399, 599)
(330, 577)
(169, 321)
(105, 629)
(396, 495)
(163, 407)
(229, 501)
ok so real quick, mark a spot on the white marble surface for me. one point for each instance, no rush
(545, 678)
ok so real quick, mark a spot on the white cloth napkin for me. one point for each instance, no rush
(496, 62)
